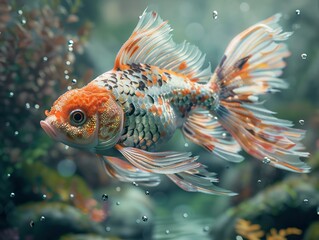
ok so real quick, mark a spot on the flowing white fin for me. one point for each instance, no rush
(199, 180)
(159, 162)
(125, 172)
(203, 129)
(252, 63)
(151, 43)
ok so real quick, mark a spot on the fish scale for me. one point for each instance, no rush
(153, 107)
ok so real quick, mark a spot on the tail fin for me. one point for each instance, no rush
(252, 63)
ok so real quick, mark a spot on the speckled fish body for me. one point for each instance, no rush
(157, 86)
(155, 102)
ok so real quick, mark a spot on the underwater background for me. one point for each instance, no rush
(52, 191)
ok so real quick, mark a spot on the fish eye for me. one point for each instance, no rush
(77, 117)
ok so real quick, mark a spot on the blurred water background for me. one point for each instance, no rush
(51, 191)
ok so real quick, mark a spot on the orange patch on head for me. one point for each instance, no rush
(89, 99)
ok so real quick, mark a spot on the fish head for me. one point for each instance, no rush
(87, 118)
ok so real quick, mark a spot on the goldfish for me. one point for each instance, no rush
(158, 86)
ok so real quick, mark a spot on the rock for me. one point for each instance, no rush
(39, 219)
(291, 203)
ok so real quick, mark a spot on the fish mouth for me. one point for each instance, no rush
(48, 129)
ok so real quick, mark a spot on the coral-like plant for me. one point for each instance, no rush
(248, 230)
(36, 61)
(251, 231)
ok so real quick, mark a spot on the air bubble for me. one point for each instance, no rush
(135, 184)
(147, 192)
(45, 59)
(301, 122)
(16, 133)
(70, 49)
(31, 223)
(70, 43)
(42, 218)
(244, 7)
(266, 160)
(185, 215)
(215, 14)
(108, 229)
(36, 106)
(304, 56)
(66, 72)
(206, 229)
(44, 196)
(71, 195)
(74, 81)
(298, 12)
(11, 94)
(167, 231)
(118, 203)
(27, 105)
(68, 63)
(12, 195)
(239, 237)
(259, 181)
(23, 21)
(69, 88)
(224, 135)
(105, 197)
(144, 218)
(66, 77)
(317, 210)
(186, 144)
(20, 12)
(8, 175)
(66, 147)
(118, 189)
(306, 201)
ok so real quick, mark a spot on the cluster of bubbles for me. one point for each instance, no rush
(23, 19)
(68, 63)
(215, 14)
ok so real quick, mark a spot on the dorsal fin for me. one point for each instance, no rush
(151, 43)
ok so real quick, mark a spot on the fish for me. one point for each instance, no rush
(158, 86)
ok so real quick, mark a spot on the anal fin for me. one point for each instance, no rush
(199, 180)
